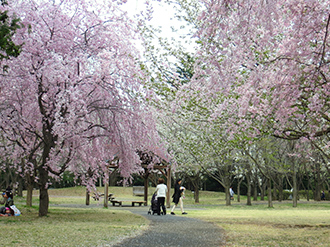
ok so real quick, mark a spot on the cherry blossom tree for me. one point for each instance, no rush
(271, 61)
(73, 99)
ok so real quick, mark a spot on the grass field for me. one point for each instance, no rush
(256, 225)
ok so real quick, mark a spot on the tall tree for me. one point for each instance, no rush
(269, 61)
(72, 99)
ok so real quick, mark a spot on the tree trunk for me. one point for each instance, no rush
(20, 187)
(280, 188)
(308, 187)
(294, 182)
(294, 176)
(249, 203)
(29, 194)
(255, 192)
(106, 193)
(196, 192)
(228, 203)
(87, 197)
(270, 199)
(43, 192)
(29, 190)
(240, 180)
(168, 194)
(106, 188)
(317, 195)
(263, 189)
(146, 177)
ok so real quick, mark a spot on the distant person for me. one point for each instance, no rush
(177, 196)
(322, 195)
(8, 200)
(161, 191)
(231, 193)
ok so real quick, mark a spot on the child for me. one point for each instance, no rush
(9, 212)
(8, 198)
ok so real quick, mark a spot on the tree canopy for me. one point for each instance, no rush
(73, 98)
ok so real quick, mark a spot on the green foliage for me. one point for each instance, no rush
(67, 180)
(303, 194)
(8, 27)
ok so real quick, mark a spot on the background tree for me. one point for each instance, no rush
(272, 71)
(8, 26)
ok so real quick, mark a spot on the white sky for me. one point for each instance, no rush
(164, 17)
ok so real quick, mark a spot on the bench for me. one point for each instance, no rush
(97, 195)
(120, 202)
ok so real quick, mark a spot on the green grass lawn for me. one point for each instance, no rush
(283, 225)
(256, 225)
(70, 227)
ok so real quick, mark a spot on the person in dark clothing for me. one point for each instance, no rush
(322, 195)
(177, 196)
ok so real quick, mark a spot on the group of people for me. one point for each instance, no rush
(178, 195)
(8, 199)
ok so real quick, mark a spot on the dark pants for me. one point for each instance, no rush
(160, 203)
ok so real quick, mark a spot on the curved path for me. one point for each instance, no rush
(175, 230)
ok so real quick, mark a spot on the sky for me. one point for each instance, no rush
(164, 17)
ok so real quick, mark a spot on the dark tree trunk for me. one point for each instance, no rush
(270, 200)
(87, 197)
(274, 190)
(43, 194)
(146, 179)
(228, 202)
(29, 190)
(240, 180)
(196, 192)
(20, 187)
(248, 202)
(255, 192)
(317, 195)
(294, 182)
(308, 187)
(280, 188)
(263, 189)
(255, 187)
(168, 183)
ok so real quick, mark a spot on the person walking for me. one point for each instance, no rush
(177, 196)
(231, 193)
(161, 191)
(322, 195)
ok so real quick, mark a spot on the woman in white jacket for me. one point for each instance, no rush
(161, 191)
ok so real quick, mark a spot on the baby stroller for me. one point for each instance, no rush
(153, 206)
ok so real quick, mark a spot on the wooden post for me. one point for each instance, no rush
(168, 196)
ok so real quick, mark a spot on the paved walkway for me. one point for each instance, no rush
(175, 231)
